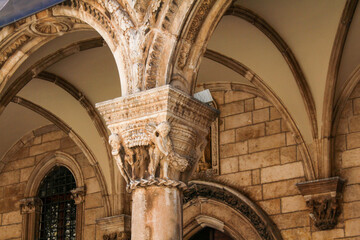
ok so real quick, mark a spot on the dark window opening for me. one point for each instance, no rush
(58, 214)
(210, 234)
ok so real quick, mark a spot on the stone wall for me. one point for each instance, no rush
(259, 157)
(347, 164)
(19, 163)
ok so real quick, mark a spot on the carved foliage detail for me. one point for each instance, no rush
(193, 31)
(49, 27)
(198, 190)
(30, 205)
(324, 212)
(9, 50)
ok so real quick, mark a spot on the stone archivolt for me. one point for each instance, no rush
(159, 127)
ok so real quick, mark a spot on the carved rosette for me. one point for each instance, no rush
(78, 195)
(51, 26)
(30, 205)
(158, 135)
(322, 197)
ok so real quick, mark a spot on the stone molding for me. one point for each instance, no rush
(257, 218)
(30, 205)
(161, 126)
(322, 197)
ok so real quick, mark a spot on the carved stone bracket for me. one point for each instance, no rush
(78, 195)
(30, 205)
(322, 197)
(157, 135)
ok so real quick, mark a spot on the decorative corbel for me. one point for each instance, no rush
(30, 205)
(322, 197)
(78, 195)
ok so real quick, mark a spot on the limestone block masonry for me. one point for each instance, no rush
(157, 138)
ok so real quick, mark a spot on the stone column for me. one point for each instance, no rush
(157, 138)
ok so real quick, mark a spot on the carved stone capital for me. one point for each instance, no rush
(78, 195)
(157, 134)
(322, 197)
(30, 205)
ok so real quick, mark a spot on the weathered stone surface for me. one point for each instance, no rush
(354, 124)
(261, 115)
(44, 147)
(290, 139)
(353, 140)
(351, 175)
(92, 185)
(288, 154)
(329, 234)
(343, 126)
(282, 172)
(265, 143)
(350, 158)
(271, 207)
(19, 164)
(273, 127)
(92, 214)
(236, 180)
(8, 178)
(232, 96)
(229, 165)
(261, 103)
(232, 108)
(25, 173)
(10, 231)
(227, 136)
(238, 120)
(356, 106)
(274, 114)
(255, 176)
(11, 218)
(233, 149)
(293, 204)
(249, 105)
(253, 131)
(292, 220)
(352, 193)
(297, 233)
(52, 136)
(253, 192)
(351, 210)
(93, 200)
(218, 96)
(259, 160)
(352, 227)
(281, 189)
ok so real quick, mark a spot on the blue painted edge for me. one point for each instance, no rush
(15, 10)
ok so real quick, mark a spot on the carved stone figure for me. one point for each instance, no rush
(324, 212)
(162, 151)
(115, 142)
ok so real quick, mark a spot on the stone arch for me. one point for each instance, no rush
(205, 204)
(24, 37)
(46, 164)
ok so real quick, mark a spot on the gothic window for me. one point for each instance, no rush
(58, 214)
